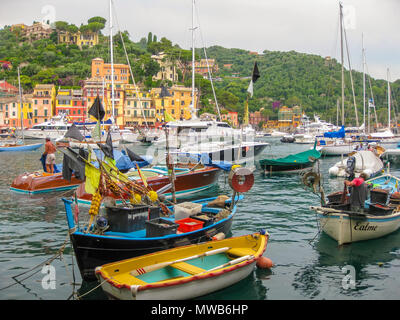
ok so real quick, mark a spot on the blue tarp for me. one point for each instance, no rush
(122, 161)
(335, 134)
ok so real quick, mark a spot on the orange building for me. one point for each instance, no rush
(202, 66)
(232, 117)
(103, 70)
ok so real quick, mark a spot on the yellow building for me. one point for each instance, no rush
(167, 69)
(177, 104)
(119, 101)
(80, 39)
(139, 108)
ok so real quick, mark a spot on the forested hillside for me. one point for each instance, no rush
(292, 78)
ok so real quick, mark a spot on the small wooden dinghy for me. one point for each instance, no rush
(185, 272)
(381, 215)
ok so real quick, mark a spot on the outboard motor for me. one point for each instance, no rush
(350, 166)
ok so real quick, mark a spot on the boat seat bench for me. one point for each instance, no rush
(240, 252)
(188, 268)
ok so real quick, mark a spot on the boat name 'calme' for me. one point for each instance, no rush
(364, 227)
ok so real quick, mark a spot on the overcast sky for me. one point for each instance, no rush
(309, 26)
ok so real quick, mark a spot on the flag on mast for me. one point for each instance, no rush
(254, 78)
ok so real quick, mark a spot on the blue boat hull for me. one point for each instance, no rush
(29, 147)
(93, 250)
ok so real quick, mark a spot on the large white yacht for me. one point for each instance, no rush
(55, 128)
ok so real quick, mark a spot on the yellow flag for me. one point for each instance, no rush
(168, 117)
(92, 179)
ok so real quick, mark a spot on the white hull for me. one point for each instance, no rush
(189, 290)
(345, 230)
(43, 134)
(366, 162)
(336, 150)
(93, 145)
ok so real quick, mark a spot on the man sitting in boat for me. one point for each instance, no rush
(49, 151)
(358, 192)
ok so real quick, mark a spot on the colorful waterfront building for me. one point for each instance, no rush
(7, 89)
(103, 70)
(44, 101)
(92, 88)
(177, 103)
(256, 117)
(72, 103)
(139, 109)
(231, 117)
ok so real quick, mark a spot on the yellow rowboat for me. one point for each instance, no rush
(185, 272)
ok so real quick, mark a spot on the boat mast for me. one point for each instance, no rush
(112, 63)
(193, 59)
(389, 102)
(341, 52)
(363, 57)
(21, 106)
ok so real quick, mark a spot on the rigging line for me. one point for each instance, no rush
(351, 76)
(392, 99)
(130, 68)
(208, 66)
(372, 94)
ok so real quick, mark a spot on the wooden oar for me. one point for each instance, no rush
(232, 262)
(167, 263)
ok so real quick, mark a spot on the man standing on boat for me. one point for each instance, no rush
(358, 192)
(49, 152)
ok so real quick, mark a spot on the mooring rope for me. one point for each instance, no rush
(48, 261)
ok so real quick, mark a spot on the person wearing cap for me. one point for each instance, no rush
(49, 151)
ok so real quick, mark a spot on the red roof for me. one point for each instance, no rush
(5, 86)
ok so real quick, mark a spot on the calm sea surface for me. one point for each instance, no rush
(308, 264)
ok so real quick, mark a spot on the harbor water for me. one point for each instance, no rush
(308, 264)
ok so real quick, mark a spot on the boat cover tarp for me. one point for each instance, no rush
(298, 158)
(204, 159)
(335, 134)
(122, 160)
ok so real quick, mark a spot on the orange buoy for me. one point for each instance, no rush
(264, 263)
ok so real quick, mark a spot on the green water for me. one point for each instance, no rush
(308, 265)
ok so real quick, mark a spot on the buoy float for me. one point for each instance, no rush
(264, 263)
(219, 236)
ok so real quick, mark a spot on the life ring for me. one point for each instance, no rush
(241, 179)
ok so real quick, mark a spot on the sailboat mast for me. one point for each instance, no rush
(193, 59)
(112, 62)
(341, 53)
(389, 102)
(363, 57)
(21, 105)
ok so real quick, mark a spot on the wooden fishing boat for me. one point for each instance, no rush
(292, 163)
(41, 182)
(93, 250)
(189, 180)
(19, 147)
(380, 217)
(183, 273)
